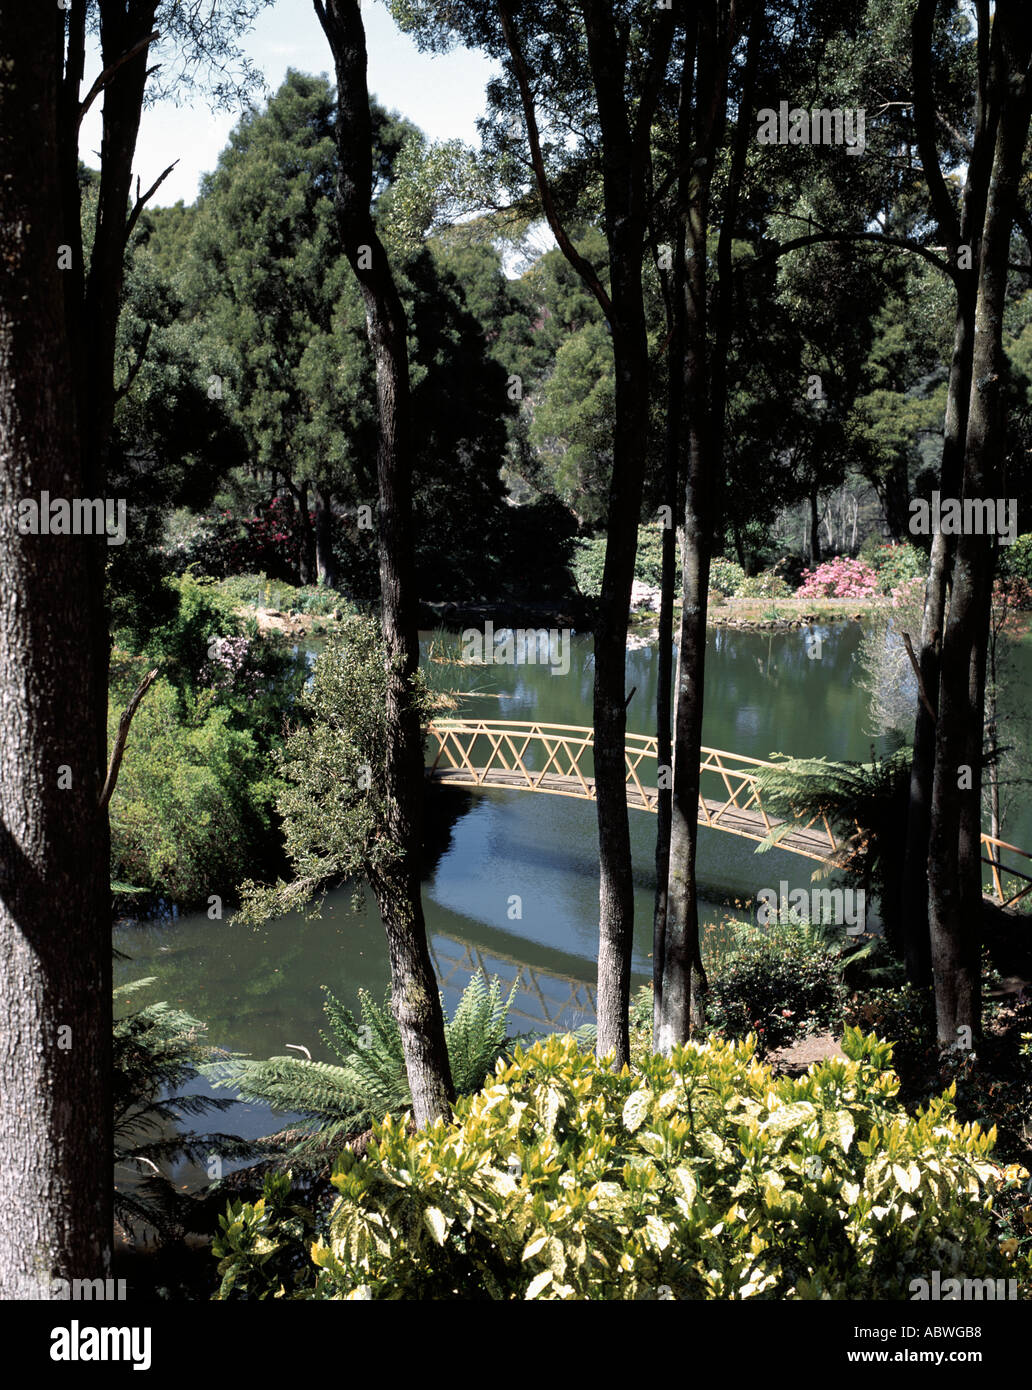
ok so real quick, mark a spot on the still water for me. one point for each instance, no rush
(259, 990)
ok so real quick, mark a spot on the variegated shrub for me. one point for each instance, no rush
(694, 1177)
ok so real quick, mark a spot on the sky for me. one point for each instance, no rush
(443, 94)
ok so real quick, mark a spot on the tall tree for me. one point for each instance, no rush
(59, 391)
(954, 847)
(55, 1051)
(602, 67)
(415, 998)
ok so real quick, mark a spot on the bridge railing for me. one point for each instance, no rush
(558, 759)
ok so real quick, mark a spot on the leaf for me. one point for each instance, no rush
(909, 1178)
(539, 1282)
(437, 1223)
(787, 1117)
(636, 1108)
(533, 1246)
(685, 1180)
(839, 1124)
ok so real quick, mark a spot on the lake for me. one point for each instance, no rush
(259, 990)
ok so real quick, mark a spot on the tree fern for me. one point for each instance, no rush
(369, 1080)
(156, 1051)
(865, 802)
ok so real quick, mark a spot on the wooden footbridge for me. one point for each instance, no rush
(557, 760)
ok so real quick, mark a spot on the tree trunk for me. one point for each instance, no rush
(815, 532)
(707, 54)
(914, 913)
(55, 1054)
(965, 230)
(954, 859)
(306, 557)
(664, 746)
(326, 567)
(624, 155)
(415, 996)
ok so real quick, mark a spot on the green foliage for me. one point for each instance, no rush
(895, 564)
(370, 1080)
(865, 803)
(700, 1176)
(156, 1051)
(262, 1246)
(572, 427)
(726, 576)
(1016, 559)
(589, 559)
(768, 584)
(780, 983)
(194, 802)
(333, 769)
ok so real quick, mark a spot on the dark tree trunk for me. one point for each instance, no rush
(914, 913)
(710, 43)
(326, 568)
(625, 151)
(305, 530)
(956, 231)
(815, 531)
(954, 858)
(415, 997)
(55, 1053)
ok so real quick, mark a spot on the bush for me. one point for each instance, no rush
(839, 578)
(193, 807)
(779, 984)
(726, 576)
(769, 584)
(699, 1176)
(589, 557)
(895, 563)
(1016, 559)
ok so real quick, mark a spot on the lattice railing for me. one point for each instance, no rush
(503, 752)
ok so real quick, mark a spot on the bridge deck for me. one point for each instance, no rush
(751, 825)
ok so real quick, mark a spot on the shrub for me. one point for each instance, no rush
(726, 576)
(769, 584)
(894, 563)
(776, 984)
(698, 1176)
(589, 557)
(839, 578)
(1016, 559)
(193, 806)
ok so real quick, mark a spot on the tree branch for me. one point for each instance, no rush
(920, 680)
(123, 734)
(134, 371)
(109, 72)
(583, 267)
(924, 122)
(138, 208)
(902, 243)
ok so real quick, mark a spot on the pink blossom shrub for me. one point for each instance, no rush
(839, 578)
